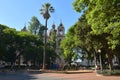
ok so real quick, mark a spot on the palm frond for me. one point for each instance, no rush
(43, 6)
(46, 8)
(47, 5)
(51, 9)
(41, 9)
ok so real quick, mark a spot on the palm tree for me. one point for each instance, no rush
(45, 12)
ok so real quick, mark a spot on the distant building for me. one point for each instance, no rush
(60, 34)
(24, 29)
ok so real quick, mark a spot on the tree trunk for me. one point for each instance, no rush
(109, 59)
(45, 40)
(95, 61)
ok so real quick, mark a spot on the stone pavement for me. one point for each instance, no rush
(78, 75)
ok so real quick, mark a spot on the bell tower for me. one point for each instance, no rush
(59, 36)
(24, 28)
(53, 30)
(61, 30)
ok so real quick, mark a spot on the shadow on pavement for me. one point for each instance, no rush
(16, 76)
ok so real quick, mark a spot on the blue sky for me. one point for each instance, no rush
(17, 13)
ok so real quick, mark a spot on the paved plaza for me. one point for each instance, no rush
(55, 76)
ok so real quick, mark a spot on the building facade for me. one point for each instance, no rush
(60, 34)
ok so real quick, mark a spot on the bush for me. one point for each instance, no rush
(108, 72)
(15, 67)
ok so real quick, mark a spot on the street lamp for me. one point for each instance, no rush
(99, 51)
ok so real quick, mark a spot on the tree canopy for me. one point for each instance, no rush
(14, 43)
(103, 16)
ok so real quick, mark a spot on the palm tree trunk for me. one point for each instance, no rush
(45, 39)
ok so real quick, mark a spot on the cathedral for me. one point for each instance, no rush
(60, 34)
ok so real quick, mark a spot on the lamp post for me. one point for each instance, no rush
(46, 8)
(99, 51)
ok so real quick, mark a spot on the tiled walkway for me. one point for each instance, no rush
(78, 76)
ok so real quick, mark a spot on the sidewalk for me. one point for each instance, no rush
(55, 75)
(85, 75)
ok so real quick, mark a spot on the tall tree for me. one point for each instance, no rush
(14, 44)
(68, 46)
(29, 45)
(45, 11)
(34, 25)
(9, 36)
(104, 19)
(2, 41)
(52, 40)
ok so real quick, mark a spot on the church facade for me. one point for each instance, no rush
(60, 34)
